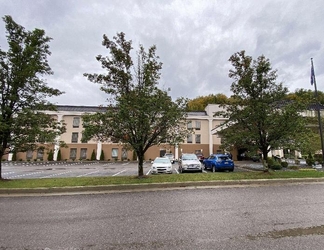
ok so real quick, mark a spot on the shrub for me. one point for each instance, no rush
(59, 157)
(102, 156)
(276, 167)
(310, 160)
(134, 156)
(273, 164)
(93, 155)
(14, 156)
(284, 164)
(50, 155)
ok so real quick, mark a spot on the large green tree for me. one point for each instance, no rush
(139, 114)
(258, 118)
(23, 91)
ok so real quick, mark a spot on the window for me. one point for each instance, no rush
(124, 154)
(198, 124)
(73, 153)
(189, 125)
(114, 153)
(198, 137)
(189, 138)
(75, 136)
(29, 155)
(40, 153)
(83, 153)
(76, 122)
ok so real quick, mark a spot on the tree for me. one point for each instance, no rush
(258, 118)
(102, 156)
(23, 92)
(93, 155)
(139, 114)
(201, 102)
(50, 155)
(59, 155)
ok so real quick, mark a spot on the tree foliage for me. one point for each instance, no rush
(139, 114)
(201, 102)
(258, 118)
(23, 92)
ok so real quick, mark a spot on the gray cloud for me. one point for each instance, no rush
(194, 40)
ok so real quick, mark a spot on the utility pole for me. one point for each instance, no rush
(313, 81)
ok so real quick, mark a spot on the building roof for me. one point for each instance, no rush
(80, 108)
(197, 113)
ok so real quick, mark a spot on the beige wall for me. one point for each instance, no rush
(205, 146)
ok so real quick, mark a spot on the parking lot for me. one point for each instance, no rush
(38, 170)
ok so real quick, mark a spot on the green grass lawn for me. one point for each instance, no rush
(163, 178)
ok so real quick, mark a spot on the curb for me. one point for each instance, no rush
(155, 186)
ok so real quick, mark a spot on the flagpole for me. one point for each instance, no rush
(313, 80)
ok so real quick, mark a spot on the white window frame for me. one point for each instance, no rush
(189, 138)
(198, 125)
(76, 122)
(198, 138)
(75, 135)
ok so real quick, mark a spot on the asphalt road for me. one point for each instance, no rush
(21, 170)
(272, 217)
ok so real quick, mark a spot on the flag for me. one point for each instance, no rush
(312, 74)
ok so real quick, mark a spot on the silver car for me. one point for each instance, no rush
(170, 156)
(161, 165)
(189, 162)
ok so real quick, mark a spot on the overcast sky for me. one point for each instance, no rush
(194, 40)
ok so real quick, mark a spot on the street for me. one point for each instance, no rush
(272, 217)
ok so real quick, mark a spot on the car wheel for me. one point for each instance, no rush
(231, 170)
(205, 168)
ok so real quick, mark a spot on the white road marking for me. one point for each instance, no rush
(23, 175)
(119, 172)
(53, 175)
(93, 172)
(148, 172)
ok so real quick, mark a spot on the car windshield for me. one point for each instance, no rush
(162, 160)
(189, 157)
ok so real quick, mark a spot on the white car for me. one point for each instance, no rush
(170, 156)
(189, 162)
(161, 165)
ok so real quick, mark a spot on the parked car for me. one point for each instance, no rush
(200, 157)
(161, 165)
(256, 158)
(189, 162)
(218, 162)
(170, 156)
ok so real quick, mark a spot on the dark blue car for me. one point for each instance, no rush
(219, 162)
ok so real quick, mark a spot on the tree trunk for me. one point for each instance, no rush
(140, 164)
(1, 154)
(265, 157)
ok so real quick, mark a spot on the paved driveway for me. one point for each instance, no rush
(32, 170)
